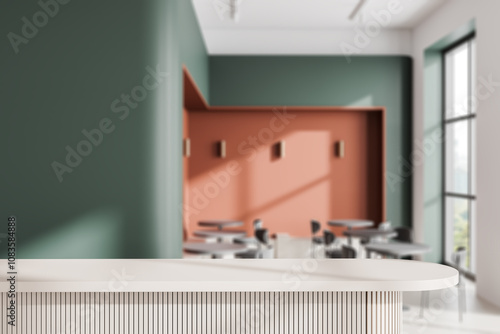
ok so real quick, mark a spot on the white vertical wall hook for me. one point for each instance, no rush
(187, 147)
(340, 149)
(281, 149)
(222, 149)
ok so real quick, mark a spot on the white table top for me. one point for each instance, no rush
(219, 234)
(371, 233)
(396, 248)
(156, 275)
(213, 248)
(220, 223)
(350, 223)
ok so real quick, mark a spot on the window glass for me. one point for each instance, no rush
(457, 81)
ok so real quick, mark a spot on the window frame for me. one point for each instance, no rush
(470, 117)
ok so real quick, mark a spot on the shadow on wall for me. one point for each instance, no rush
(93, 235)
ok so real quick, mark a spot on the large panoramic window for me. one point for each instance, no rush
(459, 124)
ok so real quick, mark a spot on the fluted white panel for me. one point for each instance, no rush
(204, 313)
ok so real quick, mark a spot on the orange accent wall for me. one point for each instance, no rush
(310, 182)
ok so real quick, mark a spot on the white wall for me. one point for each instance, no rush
(446, 19)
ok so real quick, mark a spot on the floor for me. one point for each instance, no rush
(442, 315)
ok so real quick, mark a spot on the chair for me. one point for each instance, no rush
(315, 240)
(458, 259)
(262, 234)
(264, 249)
(329, 240)
(257, 224)
(348, 252)
(405, 234)
(384, 226)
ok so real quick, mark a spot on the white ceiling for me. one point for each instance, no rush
(261, 14)
(270, 26)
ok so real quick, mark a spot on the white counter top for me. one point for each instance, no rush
(151, 275)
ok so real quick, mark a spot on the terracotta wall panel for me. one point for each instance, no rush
(309, 182)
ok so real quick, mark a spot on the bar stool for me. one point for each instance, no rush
(331, 251)
(315, 240)
(264, 249)
(249, 241)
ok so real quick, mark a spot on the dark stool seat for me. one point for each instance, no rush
(317, 240)
(250, 254)
(334, 254)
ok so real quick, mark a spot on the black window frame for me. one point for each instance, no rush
(469, 118)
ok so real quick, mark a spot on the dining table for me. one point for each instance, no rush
(220, 234)
(351, 224)
(215, 250)
(246, 241)
(370, 233)
(396, 249)
(220, 223)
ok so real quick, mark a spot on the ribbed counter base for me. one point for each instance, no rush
(204, 313)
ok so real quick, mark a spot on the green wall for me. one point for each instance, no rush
(433, 164)
(64, 80)
(193, 50)
(330, 80)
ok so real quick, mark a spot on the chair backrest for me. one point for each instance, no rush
(404, 234)
(384, 226)
(348, 252)
(257, 224)
(315, 226)
(329, 237)
(262, 235)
